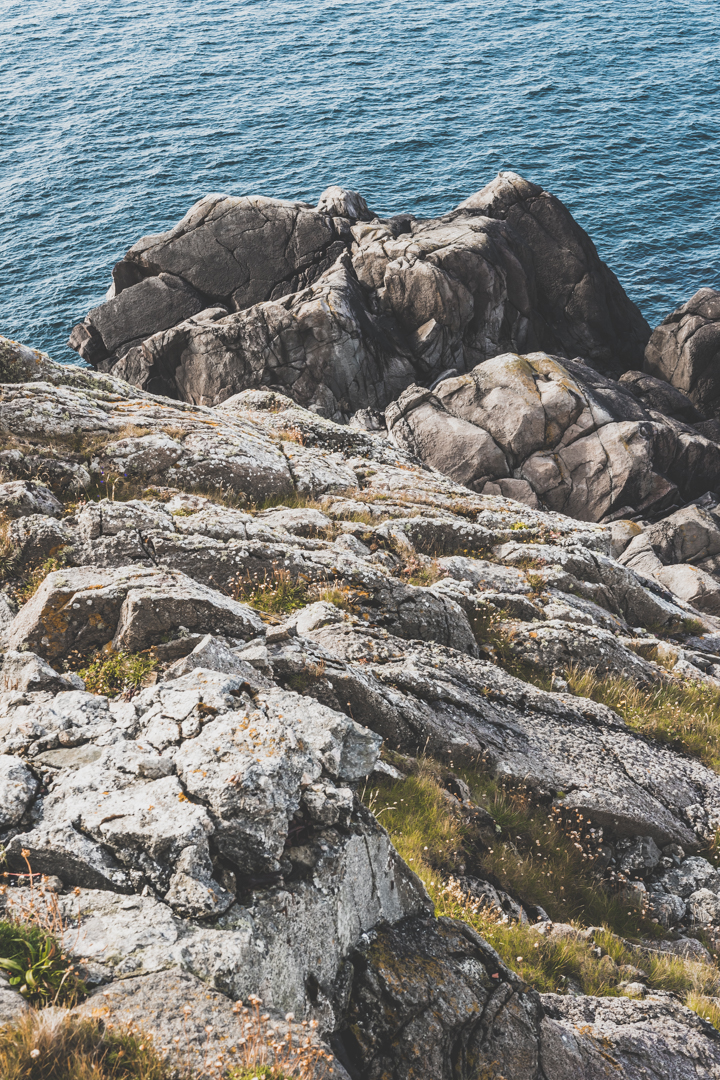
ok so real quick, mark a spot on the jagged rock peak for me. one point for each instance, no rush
(343, 311)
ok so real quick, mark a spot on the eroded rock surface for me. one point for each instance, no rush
(207, 828)
(343, 310)
(684, 350)
(581, 444)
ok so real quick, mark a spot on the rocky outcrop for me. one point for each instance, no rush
(206, 830)
(560, 433)
(607, 1037)
(685, 348)
(343, 311)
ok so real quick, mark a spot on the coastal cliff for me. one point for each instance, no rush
(361, 623)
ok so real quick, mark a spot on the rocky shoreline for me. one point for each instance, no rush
(357, 495)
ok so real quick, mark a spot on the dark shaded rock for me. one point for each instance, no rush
(431, 998)
(663, 398)
(509, 269)
(155, 303)
(321, 346)
(684, 350)
(578, 300)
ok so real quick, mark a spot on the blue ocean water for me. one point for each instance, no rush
(116, 115)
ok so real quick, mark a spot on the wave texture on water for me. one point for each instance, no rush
(118, 114)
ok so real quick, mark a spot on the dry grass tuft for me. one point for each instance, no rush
(686, 717)
(271, 1051)
(545, 858)
(275, 592)
(54, 1045)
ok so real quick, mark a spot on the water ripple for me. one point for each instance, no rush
(115, 115)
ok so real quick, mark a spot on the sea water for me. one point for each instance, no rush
(116, 115)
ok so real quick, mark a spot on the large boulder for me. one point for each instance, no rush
(419, 423)
(20, 499)
(236, 252)
(153, 304)
(131, 607)
(321, 346)
(583, 444)
(577, 297)
(419, 995)
(684, 350)
(407, 300)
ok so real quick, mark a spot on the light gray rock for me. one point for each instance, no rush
(20, 498)
(204, 760)
(418, 423)
(84, 608)
(7, 614)
(693, 585)
(214, 654)
(26, 671)
(605, 1037)
(167, 605)
(287, 945)
(559, 643)
(684, 348)
(421, 695)
(340, 202)
(583, 444)
(13, 1006)
(186, 1019)
(687, 536)
(17, 789)
(316, 615)
(63, 851)
(36, 538)
(623, 533)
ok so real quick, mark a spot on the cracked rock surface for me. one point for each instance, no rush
(343, 310)
(207, 828)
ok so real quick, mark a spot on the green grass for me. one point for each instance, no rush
(276, 592)
(544, 858)
(541, 854)
(116, 673)
(35, 963)
(685, 717)
(554, 965)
